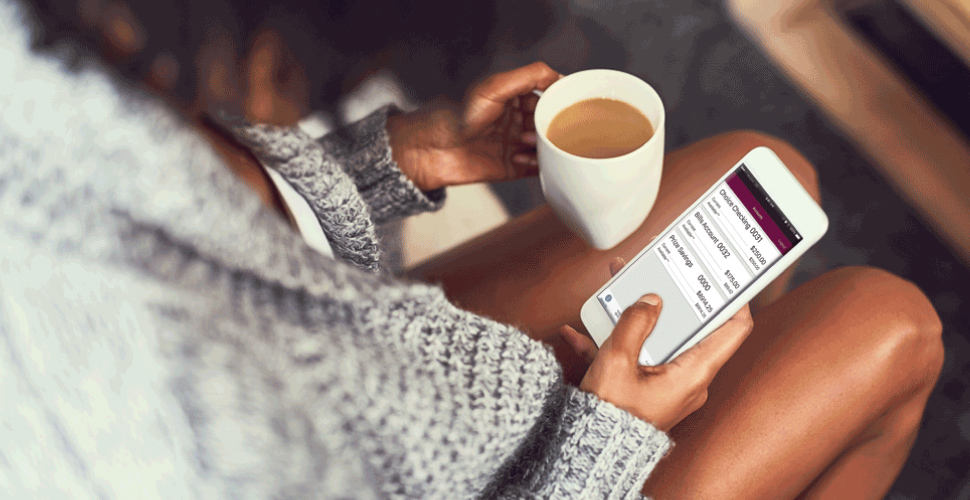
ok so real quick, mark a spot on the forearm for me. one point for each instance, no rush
(503, 407)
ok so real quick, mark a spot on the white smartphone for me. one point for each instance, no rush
(739, 236)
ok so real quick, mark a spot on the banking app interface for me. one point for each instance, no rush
(713, 253)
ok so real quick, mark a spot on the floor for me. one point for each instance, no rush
(714, 80)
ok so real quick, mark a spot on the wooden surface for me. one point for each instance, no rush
(948, 19)
(914, 149)
(961, 7)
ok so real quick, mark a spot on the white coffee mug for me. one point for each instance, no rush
(602, 200)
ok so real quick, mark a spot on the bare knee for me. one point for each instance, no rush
(804, 171)
(903, 330)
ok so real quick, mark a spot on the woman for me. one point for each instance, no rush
(167, 333)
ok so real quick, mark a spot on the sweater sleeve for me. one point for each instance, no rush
(597, 451)
(496, 419)
(363, 151)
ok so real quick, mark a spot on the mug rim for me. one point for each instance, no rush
(541, 135)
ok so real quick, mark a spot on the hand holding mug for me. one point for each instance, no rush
(491, 137)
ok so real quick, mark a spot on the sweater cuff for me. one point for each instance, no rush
(364, 152)
(396, 196)
(608, 453)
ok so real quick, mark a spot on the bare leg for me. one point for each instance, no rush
(823, 400)
(534, 273)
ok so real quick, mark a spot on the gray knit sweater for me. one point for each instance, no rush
(164, 335)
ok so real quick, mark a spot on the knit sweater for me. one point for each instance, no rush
(163, 334)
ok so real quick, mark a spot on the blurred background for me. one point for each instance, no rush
(873, 92)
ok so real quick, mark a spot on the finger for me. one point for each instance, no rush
(710, 354)
(616, 264)
(529, 138)
(517, 118)
(525, 160)
(528, 102)
(583, 346)
(527, 106)
(488, 99)
(574, 351)
(635, 326)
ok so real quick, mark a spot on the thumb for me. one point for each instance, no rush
(488, 99)
(635, 326)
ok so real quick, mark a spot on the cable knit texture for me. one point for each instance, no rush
(165, 335)
(370, 179)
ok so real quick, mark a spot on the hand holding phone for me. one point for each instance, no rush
(663, 394)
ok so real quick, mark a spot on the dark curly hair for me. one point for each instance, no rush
(328, 37)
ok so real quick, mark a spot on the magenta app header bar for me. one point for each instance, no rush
(768, 226)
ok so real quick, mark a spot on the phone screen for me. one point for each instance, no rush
(715, 251)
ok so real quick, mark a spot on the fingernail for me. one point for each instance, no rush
(529, 138)
(652, 299)
(573, 342)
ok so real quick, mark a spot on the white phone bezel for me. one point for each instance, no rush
(793, 201)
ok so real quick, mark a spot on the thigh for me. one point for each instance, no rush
(819, 372)
(534, 273)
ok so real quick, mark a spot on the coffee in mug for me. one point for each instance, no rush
(601, 193)
(599, 128)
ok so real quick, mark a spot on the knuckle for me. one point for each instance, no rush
(695, 398)
(540, 66)
(610, 356)
(701, 398)
(743, 318)
(702, 378)
(747, 324)
(697, 404)
(488, 82)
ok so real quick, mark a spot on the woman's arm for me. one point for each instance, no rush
(363, 151)
(400, 164)
(324, 171)
(479, 408)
